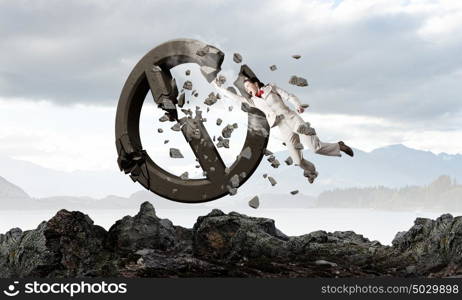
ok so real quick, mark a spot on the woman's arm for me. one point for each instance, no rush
(290, 98)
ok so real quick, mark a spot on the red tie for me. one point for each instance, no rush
(259, 93)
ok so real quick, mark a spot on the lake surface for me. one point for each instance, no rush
(373, 224)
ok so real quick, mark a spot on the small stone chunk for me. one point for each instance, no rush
(254, 202)
(175, 153)
(298, 81)
(237, 58)
(272, 181)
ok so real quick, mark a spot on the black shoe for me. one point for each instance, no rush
(345, 148)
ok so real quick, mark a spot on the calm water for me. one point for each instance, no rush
(375, 225)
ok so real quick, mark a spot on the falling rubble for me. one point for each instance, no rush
(237, 58)
(272, 181)
(254, 202)
(298, 81)
(175, 153)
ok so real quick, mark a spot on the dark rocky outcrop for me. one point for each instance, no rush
(223, 245)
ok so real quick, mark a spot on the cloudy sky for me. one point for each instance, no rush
(380, 72)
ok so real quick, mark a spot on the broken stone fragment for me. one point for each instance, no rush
(246, 153)
(168, 104)
(289, 161)
(219, 121)
(196, 94)
(273, 68)
(232, 191)
(181, 100)
(298, 81)
(235, 125)
(245, 107)
(211, 99)
(296, 56)
(306, 129)
(271, 158)
(230, 108)
(299, 146)
(187, 85)
(160, 130)
(187, 72)
(166, 141)
(267, 152)
(164, 118)
(203, 51)
(254, 202)
(175, 153)
(265, 175)
(227, 131)
(187, 112)
(275, 163)
(223, 143)
(237, 58)
(272, 181)
(221, 80)
(232, 90)
(184, 176)
(234, 181)
(176, 127)
(294, 192)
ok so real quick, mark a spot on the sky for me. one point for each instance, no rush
(379, 72)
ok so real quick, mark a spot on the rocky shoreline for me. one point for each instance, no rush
(223, 245)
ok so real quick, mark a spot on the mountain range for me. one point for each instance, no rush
(393, 166)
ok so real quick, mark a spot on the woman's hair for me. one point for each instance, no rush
(254, 80)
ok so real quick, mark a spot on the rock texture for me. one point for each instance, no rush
(223, 245)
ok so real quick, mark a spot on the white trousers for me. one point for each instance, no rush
(288, 129)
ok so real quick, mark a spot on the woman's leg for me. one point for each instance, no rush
(292, 140)
(312, 142)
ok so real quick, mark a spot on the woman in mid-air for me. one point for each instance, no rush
(293, 129)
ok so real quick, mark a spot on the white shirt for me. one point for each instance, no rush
(271, 102)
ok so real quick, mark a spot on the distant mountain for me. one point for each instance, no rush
(11, 191)
(43, 182)
(443, 194)
(391, 166)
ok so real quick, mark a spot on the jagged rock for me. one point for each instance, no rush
(187, 85)
(227, 131)
(272, 181)
(175, 153)
(237, 58)
(294, 192)
(296, 56)
(176, 127)
(254, 202)
(298, 81)
(211, 99)
(160, 130)
(187, 72)
(289, 161)
(181, 100)
(164, 118)
(143, 231)
(223, 245)
(273, 68)
(221, 80)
